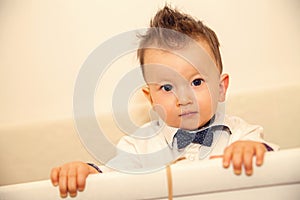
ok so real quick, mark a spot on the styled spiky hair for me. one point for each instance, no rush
(179, 25)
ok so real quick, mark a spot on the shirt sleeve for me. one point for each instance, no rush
(241, 130)
(127, 157)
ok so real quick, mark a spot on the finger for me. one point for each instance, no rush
(237, 160)
(227, 157)
(54, 175)
(72, 182)
(82, 174)
(260, 154)
(63, 181)
(247, 160)
(216, 156)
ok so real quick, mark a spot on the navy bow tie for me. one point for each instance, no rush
(203, 137)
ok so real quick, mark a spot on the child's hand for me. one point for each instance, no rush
(71, 177)
(241, 153)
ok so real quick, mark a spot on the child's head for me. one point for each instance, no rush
(182, 67)
(172, 19)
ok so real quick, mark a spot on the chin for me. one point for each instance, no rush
(189, 126)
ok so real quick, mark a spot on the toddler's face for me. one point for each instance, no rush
(184, 95)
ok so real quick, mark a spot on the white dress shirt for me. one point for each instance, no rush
(151, 147)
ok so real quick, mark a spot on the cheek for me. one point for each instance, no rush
(206, 103)
(160, 110)
(166, 113)
(213, 89)
(164, 108)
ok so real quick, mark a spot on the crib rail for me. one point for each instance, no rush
(278, 178)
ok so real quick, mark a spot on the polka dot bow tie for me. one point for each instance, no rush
(203, 137)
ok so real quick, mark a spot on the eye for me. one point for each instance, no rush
(167, 87)
(197, 82)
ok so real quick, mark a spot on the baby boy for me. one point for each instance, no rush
(182, 68)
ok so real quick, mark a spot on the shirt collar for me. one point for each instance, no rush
(169, 132)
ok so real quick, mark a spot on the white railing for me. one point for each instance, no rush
(278, 178)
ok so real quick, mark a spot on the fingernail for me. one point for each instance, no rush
(249, 172)
(73, 194)
(237, 172)
(259, 163)
(225, 164)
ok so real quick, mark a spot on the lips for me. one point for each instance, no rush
(187, 114)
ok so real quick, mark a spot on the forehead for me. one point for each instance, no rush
(164, 66)
(194, 48)
(193, 57)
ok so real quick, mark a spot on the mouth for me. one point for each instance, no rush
(188, 114)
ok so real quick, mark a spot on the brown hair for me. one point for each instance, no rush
(166, 29)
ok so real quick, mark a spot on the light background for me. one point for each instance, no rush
(44, 43)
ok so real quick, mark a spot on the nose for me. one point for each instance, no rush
(185, 96)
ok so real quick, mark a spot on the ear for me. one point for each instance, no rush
(146, 91)
(223, 85)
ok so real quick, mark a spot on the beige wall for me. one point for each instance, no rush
(44, 43)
